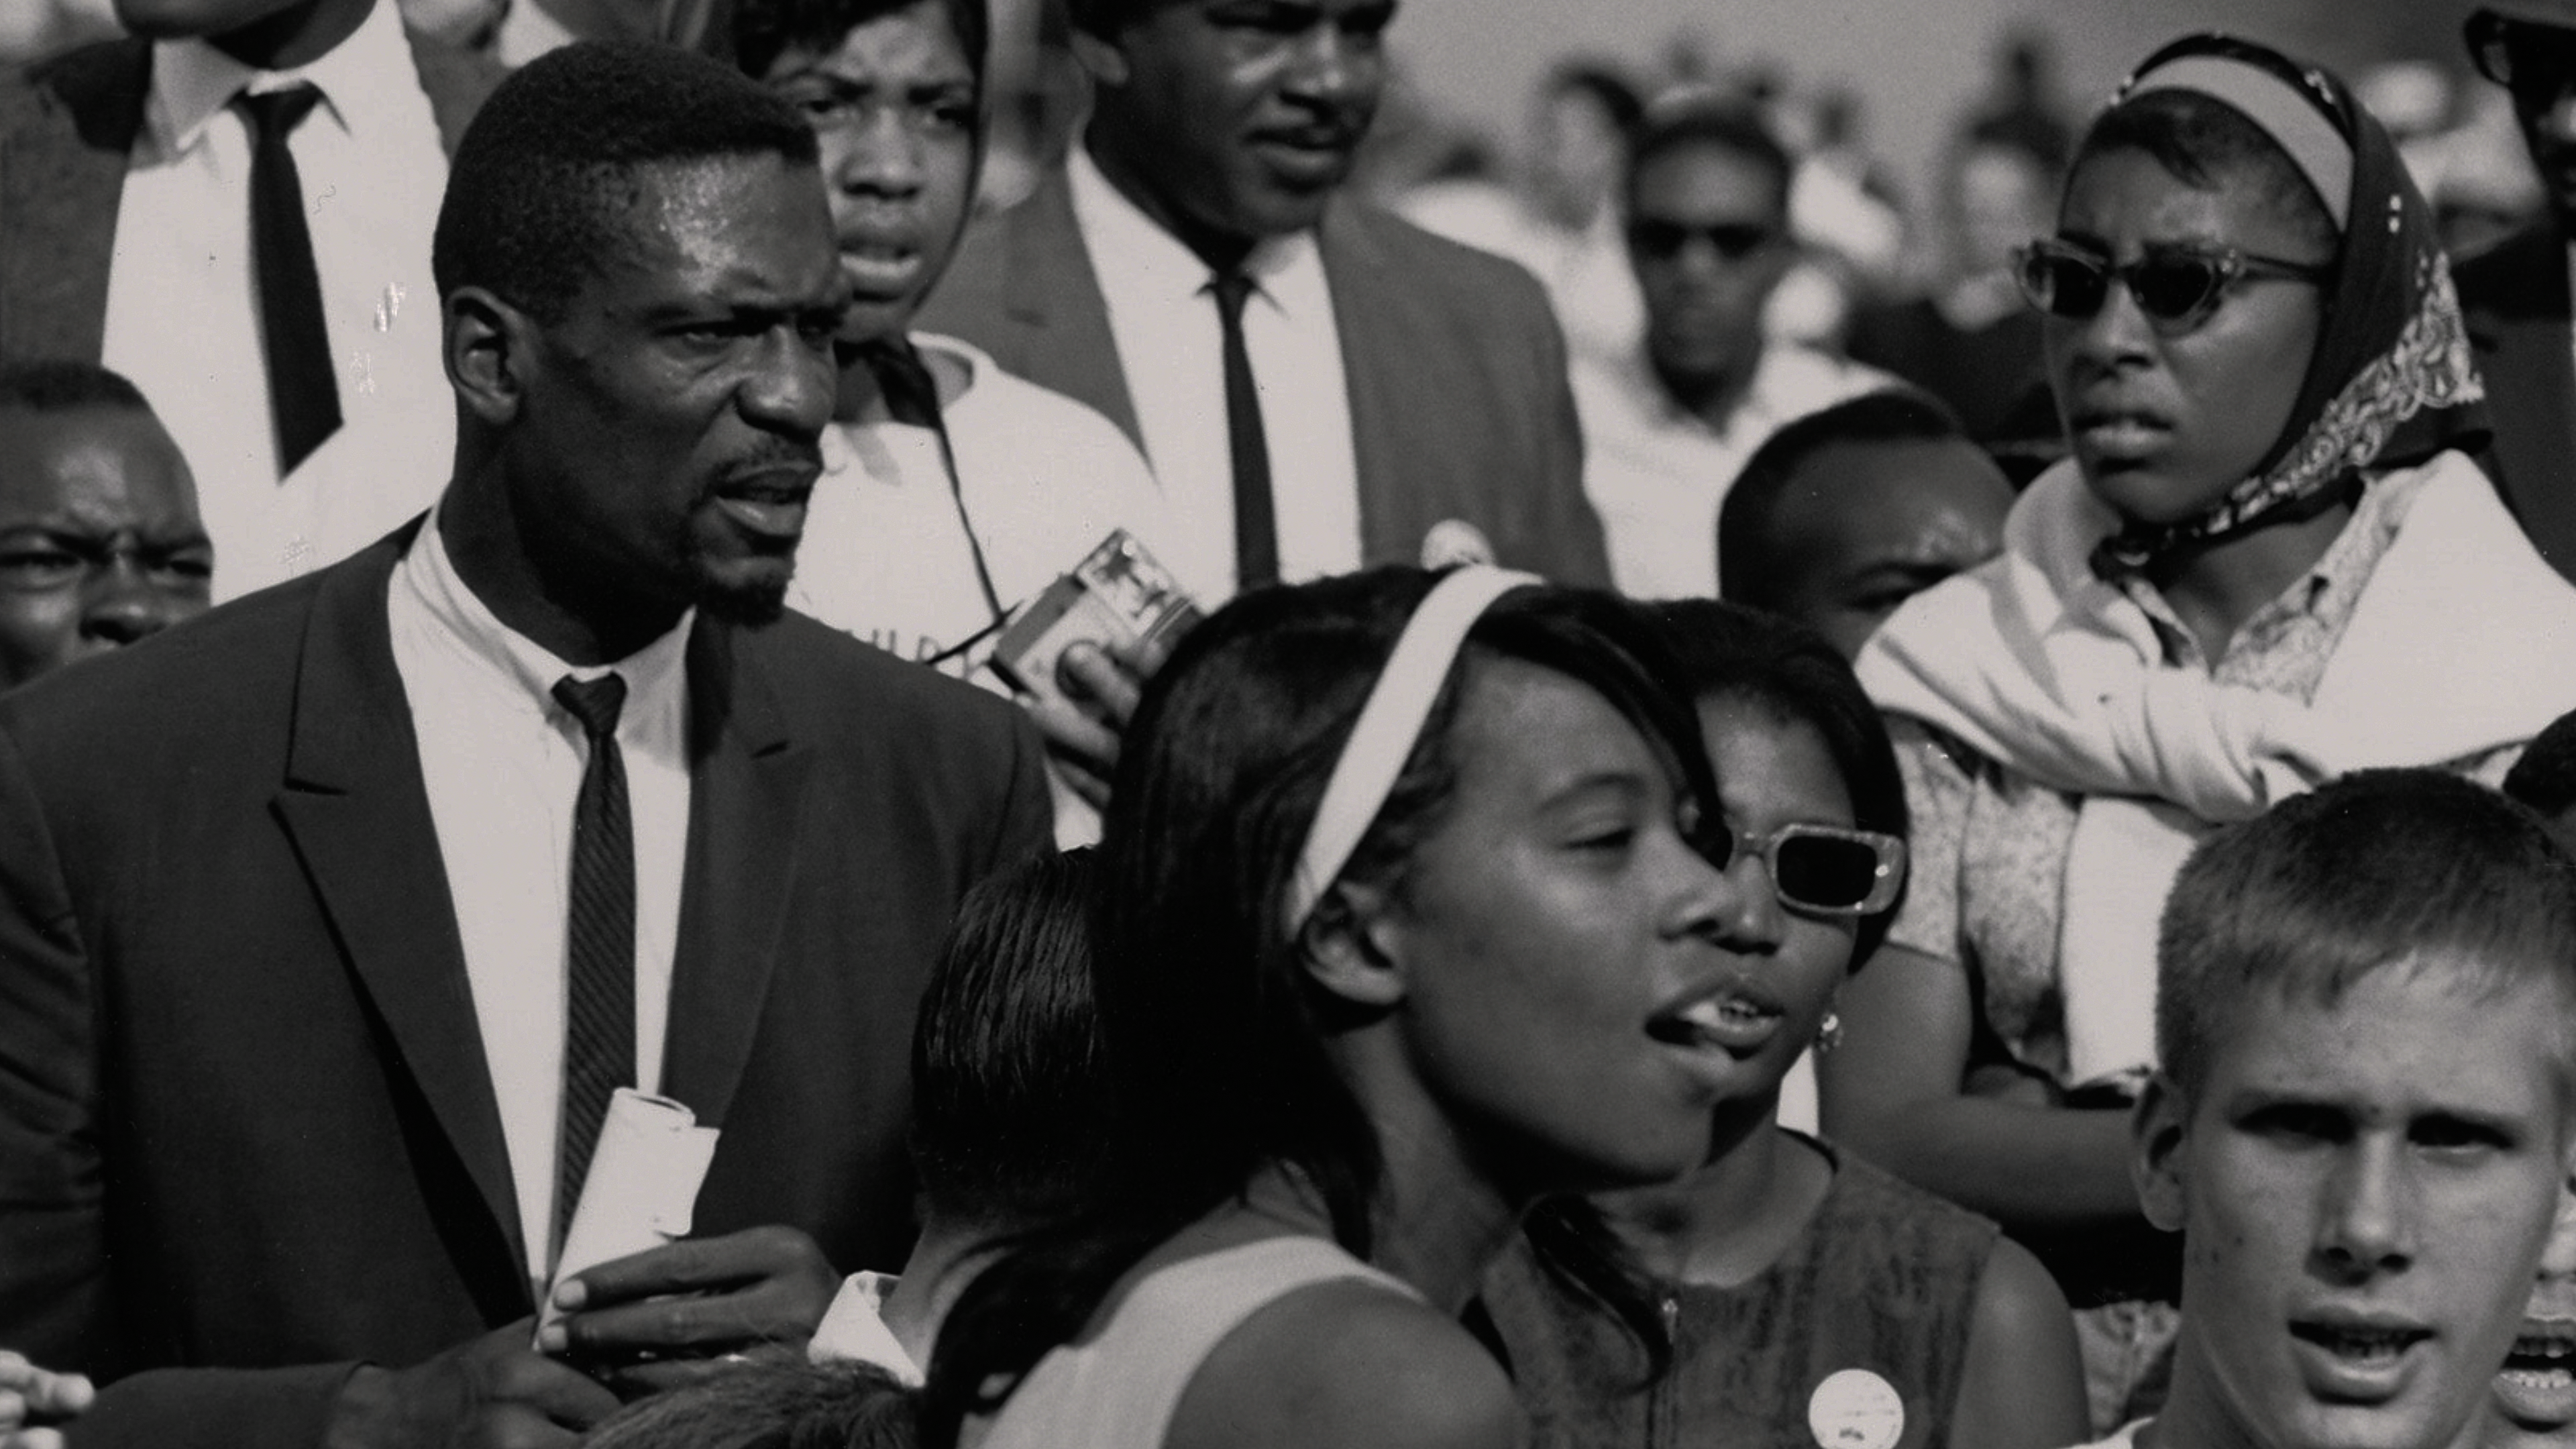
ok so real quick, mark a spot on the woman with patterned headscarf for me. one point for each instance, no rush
(2269, 561)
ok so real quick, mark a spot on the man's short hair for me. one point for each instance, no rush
(1705, 119)
(2376, 869)
(61, 385)
(1006, 1066)
(763, 30)
(539, 194)
(1746, 551)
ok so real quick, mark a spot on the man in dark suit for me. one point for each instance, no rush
(2515, 293)
(1410, 393)
(283, 890)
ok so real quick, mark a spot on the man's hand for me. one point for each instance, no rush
(671, 1313)
(32, 1399)
(1082, 737)
(493, 1392)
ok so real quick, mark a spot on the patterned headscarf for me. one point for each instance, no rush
(2391, 383)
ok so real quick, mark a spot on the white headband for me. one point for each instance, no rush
(1389, 725)
(2294, 124)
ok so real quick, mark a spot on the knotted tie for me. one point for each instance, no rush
(599, 1020)
(303, 395)
(1256, 536)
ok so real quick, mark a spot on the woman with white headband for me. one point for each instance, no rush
(2269, 561)
(1407, 918)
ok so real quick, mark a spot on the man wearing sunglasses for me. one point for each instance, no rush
(1667, 430)
(2515, 293)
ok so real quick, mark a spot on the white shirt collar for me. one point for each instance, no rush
(1287, 271)
(192, 80)
(526, 670)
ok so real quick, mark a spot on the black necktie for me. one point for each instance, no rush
(903, 381)
(1256, 537)
(599, 1021)
(303, 396)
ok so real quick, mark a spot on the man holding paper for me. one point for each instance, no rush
(332, 922)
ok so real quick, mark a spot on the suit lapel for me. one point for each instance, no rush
(747, 781)
(359, 816)
(1052, 296)
(1364, 312)
(66, 130)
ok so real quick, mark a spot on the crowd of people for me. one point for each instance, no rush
(664, 783)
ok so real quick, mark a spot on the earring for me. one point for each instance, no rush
(1829, 1034)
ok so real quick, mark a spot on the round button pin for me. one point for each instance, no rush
(1856, 1409)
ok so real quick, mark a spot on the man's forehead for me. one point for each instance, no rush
(678, 217)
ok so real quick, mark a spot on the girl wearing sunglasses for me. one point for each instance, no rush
(2266, 563)
(1808, 1295)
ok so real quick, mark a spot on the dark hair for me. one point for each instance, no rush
(60, 385)
(1006, 1071)
(1213, 1028)
(2375, 869)
(2544, 779)
(1746, 551)
(1733, 652)
(1603, 84)
(770, 1405)
(763, 30)
(538, 195)
(1710, 120)
(2206, 143)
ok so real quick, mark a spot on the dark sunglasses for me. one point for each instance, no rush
(1825, 869)
(1732, 240)
(2176, 286)
(2534, 60)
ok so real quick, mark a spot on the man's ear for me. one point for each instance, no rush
(2158, 1130)
(488, 347)
(1352, 948)
(1099, 57)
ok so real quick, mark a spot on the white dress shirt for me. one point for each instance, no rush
(1657, 475)
(1171, 347)
(502, 762)
(1040, 478)
(182, 310)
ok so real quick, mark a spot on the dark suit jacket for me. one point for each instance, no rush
(1459, 403)
(2515, 295)
(245, 1117)
(67, 127)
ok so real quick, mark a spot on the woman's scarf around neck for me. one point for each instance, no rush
(2392, 382)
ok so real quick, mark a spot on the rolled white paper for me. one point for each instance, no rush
(641, 1189)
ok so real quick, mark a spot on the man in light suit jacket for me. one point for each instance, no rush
(2514, 294)
(297, 985)
(1412, 392)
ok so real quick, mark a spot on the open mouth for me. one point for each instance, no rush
(2358, 1346)
(1733, 1022)
(2544, 1357)
(874, 265)
(770, 505)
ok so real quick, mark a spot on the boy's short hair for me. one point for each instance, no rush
(1746, 550)
(1006, 1068)
(2377, 868)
